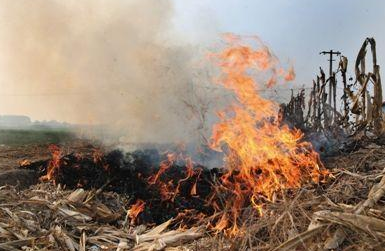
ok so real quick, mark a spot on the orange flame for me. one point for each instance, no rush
(169, 191)
(98, 155)
(25, 162)
(193, 190)
(262, 157)
(164, 165)
(54, 163)
(135, 210)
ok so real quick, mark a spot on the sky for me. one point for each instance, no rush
(296, 30)
(78, 61)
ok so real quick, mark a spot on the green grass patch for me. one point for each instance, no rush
(15, 137)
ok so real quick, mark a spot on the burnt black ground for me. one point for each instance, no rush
(128, 174)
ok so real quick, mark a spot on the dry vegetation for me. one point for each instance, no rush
(345, 212)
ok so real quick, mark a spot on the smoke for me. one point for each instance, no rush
(97, 62)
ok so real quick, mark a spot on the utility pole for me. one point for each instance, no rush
(332, 82)
(331, 53)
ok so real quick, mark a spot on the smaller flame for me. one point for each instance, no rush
(135, 210)
(98, 157)
(54, 163)
(164, 165)
(193, 191)
(25, 162)
(167, 188)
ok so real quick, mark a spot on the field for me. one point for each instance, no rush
(17, 146)
(308, 217)
(316, 215)
(19, 137)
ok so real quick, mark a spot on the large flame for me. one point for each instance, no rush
(262, 156)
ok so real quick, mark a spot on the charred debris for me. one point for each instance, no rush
(162, 181)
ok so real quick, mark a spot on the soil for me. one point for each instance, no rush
(11, 157)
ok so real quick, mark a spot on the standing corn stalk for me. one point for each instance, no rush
(368, 108)
(343, 66)
(322, 111)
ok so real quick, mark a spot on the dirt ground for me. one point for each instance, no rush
(11, 157)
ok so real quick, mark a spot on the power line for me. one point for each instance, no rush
(259, 90)
(130, 92)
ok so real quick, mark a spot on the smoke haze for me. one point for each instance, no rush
(96, 62)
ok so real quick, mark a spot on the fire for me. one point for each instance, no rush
(54, 163)
(164, 165)
(135, 210)
(98, 158)
(25, 162)
(168, 190)
(262, 156)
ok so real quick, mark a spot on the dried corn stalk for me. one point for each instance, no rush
(364, 103)
(368, 108)
(292, 113)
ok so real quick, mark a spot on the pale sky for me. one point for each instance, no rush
(296, 30)
(62, 58)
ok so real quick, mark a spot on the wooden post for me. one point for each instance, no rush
(331, 79)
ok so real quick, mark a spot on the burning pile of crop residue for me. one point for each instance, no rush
(156, 194)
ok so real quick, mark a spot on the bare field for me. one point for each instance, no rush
(18, 146)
